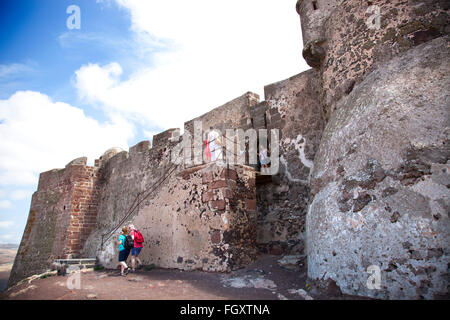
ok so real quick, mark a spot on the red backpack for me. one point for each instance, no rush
(138, 237)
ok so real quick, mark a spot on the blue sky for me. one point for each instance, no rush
(35, 35)
(133, 69)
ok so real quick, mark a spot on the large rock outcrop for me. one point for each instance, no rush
(381, 178)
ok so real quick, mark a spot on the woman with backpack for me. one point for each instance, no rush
(138, 240)
(124, 243)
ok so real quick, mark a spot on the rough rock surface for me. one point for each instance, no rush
(342, 41)
(381, 178)
(293, 108)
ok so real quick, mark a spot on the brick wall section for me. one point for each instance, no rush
(231, 193)
(83, 213)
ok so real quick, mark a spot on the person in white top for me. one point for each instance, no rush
(215, 145)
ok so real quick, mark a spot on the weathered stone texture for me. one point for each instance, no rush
(380, 181)
(347, 49)
(229, 116)
(159, 140)
(83, 209)
(291, 107)
(124, 177)
(62, 215)
(197, 219)
(193, 217)
(314, 15)
(363, 178)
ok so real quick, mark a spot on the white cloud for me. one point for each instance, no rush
(37, 134)
(19, 194)
(5, 204)
(219, 51)
(6, 224)
(14, 69)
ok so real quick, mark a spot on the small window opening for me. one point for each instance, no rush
(314, 3)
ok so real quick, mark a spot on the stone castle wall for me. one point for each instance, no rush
(98, 198)
(291, 106)
(62, 215)
(196, 218)
(199, 218)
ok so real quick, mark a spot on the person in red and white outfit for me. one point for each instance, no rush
(138, 240)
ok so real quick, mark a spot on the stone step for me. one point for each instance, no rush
(83, 261)
(64, 266)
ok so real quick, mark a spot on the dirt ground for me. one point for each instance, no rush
(262, 280)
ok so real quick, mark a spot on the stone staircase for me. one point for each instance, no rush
(75, 264)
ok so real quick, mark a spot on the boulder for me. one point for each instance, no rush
(380, 182)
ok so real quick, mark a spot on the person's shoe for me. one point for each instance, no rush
(126, 271)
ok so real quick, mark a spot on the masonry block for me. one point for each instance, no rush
(218, 204)
(207, 177)
(217, 184)
(250, 204)
(142, 146)
(166, 138)
(207, 196)
(228, 174)
(215, 236)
